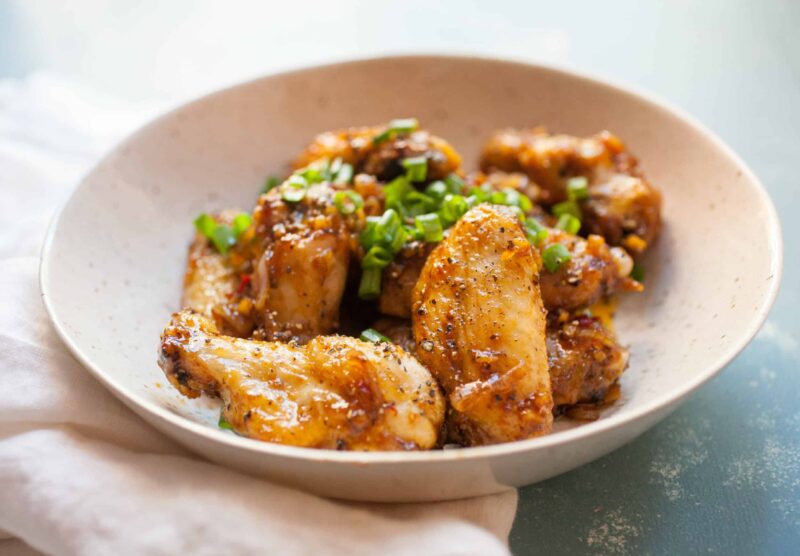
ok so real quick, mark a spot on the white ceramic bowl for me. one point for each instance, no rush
(113, 261)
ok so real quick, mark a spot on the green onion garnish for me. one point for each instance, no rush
(294, 189)
(372, 335)
(271, 183)
(637, 273)
(577, 188)
(347, 202)
(437, 190)
(370, 286)
(395, 191)
(241, 223)
(554, 256)
(221, 236)
(431, 227)
(344, 174)
(567, 207)
(405, 125)
(453, 208)
(223, 423)
(377, 257)
(535, 232)
(455, 184)
(569, 224)
(416, 168)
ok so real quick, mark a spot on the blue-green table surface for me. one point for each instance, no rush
(719, 476)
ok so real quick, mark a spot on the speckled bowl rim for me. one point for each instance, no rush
(775, 243)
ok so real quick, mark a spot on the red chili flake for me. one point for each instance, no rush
(246, 278)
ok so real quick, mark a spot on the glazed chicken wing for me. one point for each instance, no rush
(300, 276)
(621, 206)
(400, 277)
(585, 359)
(594, 271)
(212, 284)
(335, 392)
(479, 327)
(382, 159)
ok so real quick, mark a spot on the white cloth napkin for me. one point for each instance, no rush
(79, 472)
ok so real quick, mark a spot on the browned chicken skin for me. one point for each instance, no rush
(585, 359)
(335, 392)
(479, 327)
(300, 276)
(622, 206)
(356, 146)
(595, 271)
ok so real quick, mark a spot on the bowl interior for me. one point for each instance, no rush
(112, 269)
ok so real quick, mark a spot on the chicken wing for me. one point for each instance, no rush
(621, 206)
(400, 277)
(212, 284)
(479, 327)
(594, 271)
(585, 359)
(335, 392)
(300, 276)
(356, 146)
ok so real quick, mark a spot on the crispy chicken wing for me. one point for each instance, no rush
(355, 146)
(335, 392)
(300, 276)
(585, 359)
(594, 271)
(479, 326)
(212, 284)
(622, 205)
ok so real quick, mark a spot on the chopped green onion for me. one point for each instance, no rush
(431, 227)
(416, 168)
(569, 224)
(437, 190)
(480, 194)
(405, 125)
(455, 184)
(453, 208)
(567, 207)
(271, 183)
(535, 232)
(413, 233)
(416, 203)
(377, 257)
(205, 224)
(315, 173)
(372, 335)
(347, 202)
(344, 174)
(554, 256)
(241, 223)
(370, 286)
(334, 167)
(293, 194)
(223, 239)
(294, 189)
(371, 235)
(221, 236)
(638, 272)
(577, 188)
(223, 423)
(395, 191)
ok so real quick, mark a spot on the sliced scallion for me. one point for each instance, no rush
(370, 285)
(372, 335)
(569, 224)
(554, 256)
(403, 125)
(431, 227)
(416, 168)
(347, 202)
(577, 188)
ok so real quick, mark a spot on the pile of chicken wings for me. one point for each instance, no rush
(379, 297)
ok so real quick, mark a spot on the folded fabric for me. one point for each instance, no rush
(79, 472)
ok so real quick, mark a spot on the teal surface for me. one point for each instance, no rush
(722, 474)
